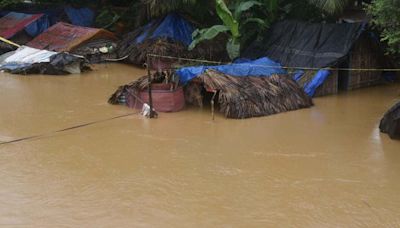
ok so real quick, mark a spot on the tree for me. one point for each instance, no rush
(386, 16)
(234, 23)
(4, 3)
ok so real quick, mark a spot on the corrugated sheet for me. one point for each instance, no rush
(65, 37)
(13, 23)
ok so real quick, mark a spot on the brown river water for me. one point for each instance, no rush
(327, 166)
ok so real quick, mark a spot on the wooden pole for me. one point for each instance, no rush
(9, 42)
(149, 88)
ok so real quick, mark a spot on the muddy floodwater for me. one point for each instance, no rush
(327, 166)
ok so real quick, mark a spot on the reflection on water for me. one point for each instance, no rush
(327, 166)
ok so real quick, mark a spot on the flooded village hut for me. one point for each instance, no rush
(241, 90)
(20, 28)
(168, 36)
(95, 44)
(315, 45)
(246, 97)
(246, 88)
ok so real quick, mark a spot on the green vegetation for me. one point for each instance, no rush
(386, 16)
(233, 24)
(4, 3)
(241, 20)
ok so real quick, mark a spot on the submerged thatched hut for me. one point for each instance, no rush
(241, 90)
(246, 97)
(236, 97)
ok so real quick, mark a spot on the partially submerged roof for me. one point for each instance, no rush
(13, 22)
(300, 44)
(27, 60)
(66, 37)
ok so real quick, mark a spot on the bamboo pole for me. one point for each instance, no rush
(9, 42)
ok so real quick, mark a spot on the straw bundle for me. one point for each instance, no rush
(245, 97)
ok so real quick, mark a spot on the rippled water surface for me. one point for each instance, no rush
(327, 166)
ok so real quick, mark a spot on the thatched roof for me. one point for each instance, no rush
(137, 53)
(245, 97)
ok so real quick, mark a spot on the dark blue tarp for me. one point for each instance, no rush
(173, 26)
(38, 26)
(303, 44)
(259, 68)
(81, 17)
(318, 79)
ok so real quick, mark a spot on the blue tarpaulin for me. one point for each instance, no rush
(82, 17)
(259, 68)
(318, 79)
(173, 26)
(38, 26)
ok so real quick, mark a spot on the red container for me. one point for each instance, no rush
(164, 100)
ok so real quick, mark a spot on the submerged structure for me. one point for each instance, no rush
(27, 60)
(390, 123)
(246, 97)
(241, 90)
(302, 45)
(95, 44)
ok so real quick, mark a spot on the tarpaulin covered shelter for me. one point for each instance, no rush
(244, 89)
(168, 36)
(315, 45)
(89, 42)
(27, 60)
(301, 44)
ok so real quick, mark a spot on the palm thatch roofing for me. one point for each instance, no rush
(246, 97)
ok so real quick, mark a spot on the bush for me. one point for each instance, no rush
(386, 16)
